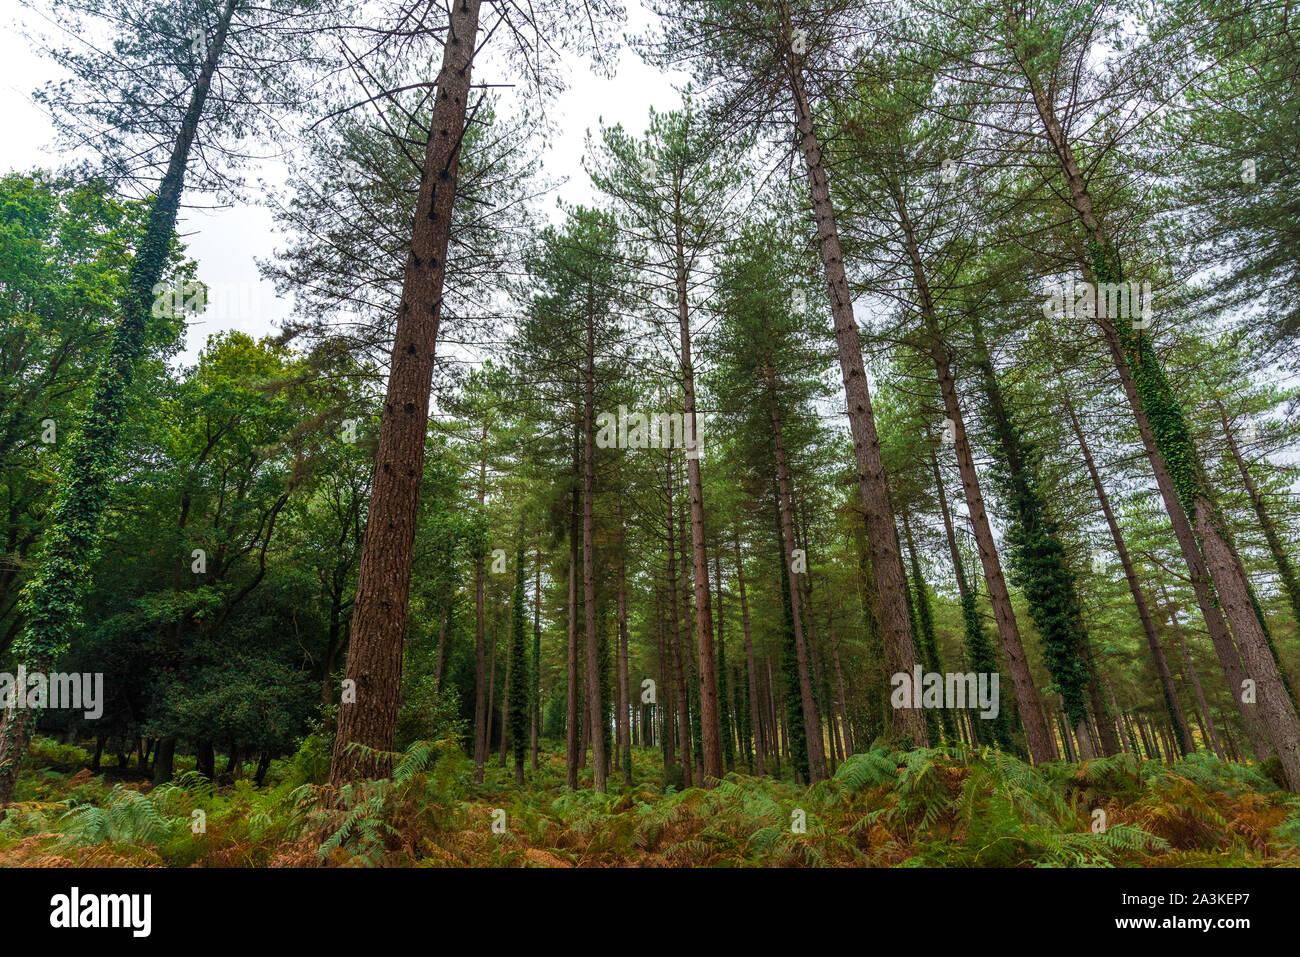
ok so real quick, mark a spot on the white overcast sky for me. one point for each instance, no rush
(226, 243)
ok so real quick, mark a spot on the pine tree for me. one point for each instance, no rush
(520, 683)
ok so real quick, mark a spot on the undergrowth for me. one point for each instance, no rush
(939, 807)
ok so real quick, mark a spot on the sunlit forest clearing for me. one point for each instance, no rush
(890, 461)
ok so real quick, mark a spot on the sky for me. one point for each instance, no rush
(227, 243)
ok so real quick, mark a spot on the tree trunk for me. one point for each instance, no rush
(1013, 649)
(773, 718)
(925, 619)
(481, 704)
(383, 582)
(1172, 702)
(1210, 731)
(1124, 732)
(205, 760)
(1008, 629)
(624, 691)
(164, 760)
(1224, 647)
(726, 706)
(595, 708)
(572, 740)
(750, 672)
(491, 698)
(674, 637)
(506, 704)
(665, 687)
(1106, 738)
(535, 677)
(812, 722)
(710, 735)
(846, 730)
(900, 655)
(263, 765)
(1285, 569)
(442, 645)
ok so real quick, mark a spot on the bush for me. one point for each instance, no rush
(48, 753)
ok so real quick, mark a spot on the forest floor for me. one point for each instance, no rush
(944, 807)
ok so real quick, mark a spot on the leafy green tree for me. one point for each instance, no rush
(64, 259)
(177, 53)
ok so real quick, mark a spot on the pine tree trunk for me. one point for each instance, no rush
(491, 697)
(1224, 647)
(815, 653)
(1285, 570)
(1013, 650)
(774, 735)
(442, 646)
(750, 673)
(1172, 702)
(690, 664)
(978, 647)
(710, 734)
(674, 637)
(535, 677)
(623, 724)
(925, 618)
(726, 706)
(1067, 742)
(572, 741)
(1210, 732)
(1051, 735)
(665, 711)
(384, 579)
(481, 705)
(1119, 719)
(812, 723)
(900, 655)
(506, 704)
(595, 712)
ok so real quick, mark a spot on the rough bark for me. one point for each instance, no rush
(908, 723)
(384, 579)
